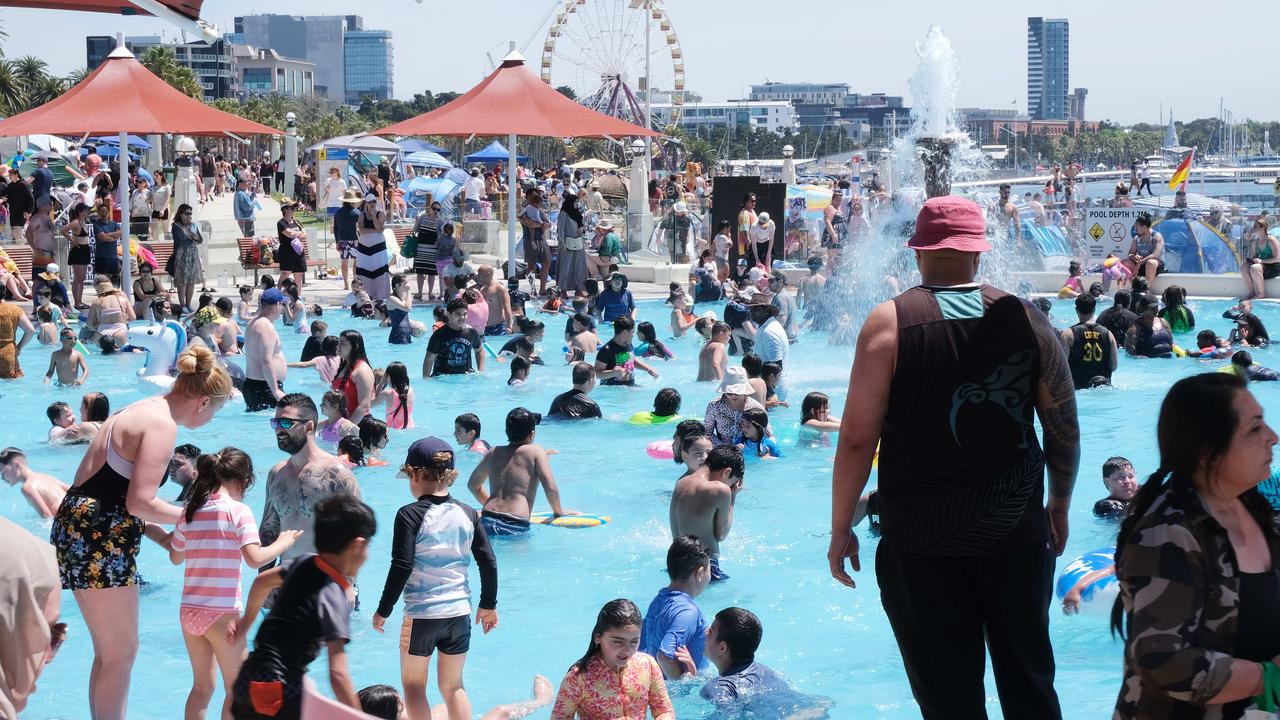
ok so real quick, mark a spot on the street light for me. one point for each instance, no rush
(1015, 148)
(788, 165)
(637, 147)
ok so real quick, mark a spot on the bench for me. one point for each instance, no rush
(245, 246)
(21, 256)
(163, 251)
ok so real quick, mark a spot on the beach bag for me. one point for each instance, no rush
(409, 247)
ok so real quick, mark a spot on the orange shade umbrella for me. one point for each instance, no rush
(123, 97)
(512, 101)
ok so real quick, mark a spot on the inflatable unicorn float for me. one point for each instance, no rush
(163, 343)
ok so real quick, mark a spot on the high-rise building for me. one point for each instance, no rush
(323, 40)
(369, 65)
(211, 62)
(1048, 67)
(1075, 103)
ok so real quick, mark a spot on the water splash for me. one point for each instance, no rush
(881, 262)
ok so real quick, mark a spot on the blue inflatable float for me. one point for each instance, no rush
(1076, 570)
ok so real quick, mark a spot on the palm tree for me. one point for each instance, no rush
(47, 89)
(702, 151)
(164, 64)
(30, 70)
(75, 76)
(11, 90)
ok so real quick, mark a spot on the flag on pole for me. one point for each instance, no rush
(1183, 172)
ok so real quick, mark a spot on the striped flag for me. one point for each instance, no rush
(1183, 172)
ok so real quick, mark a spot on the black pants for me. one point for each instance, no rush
(1146, 183)
(266, 184)
(943, 609)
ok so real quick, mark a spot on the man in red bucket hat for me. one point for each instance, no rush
(946, 380)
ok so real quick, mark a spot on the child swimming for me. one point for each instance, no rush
(816, 421)
(754, 440)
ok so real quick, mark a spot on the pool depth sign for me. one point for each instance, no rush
(1110, 231)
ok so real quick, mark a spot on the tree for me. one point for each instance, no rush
(164, 64)
(568, 92)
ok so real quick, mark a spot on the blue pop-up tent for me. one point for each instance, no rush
(133, 140)
(494, 153)
(413, 145)
(1191, 246)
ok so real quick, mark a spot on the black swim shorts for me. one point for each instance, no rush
(258, 395)
(422, 636)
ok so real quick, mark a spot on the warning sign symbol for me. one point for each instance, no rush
(1118, 231)
(1096, 231)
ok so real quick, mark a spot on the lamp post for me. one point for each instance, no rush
(788, 165)
(184, 180)
(638, 218)
(290, 153)
(1015, 148)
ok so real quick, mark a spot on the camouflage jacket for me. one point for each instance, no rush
(1180, 590)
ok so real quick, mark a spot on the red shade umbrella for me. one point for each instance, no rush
(188, 8)
(512, 101)
(123, 97)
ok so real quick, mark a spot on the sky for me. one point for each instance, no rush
(1136, 59)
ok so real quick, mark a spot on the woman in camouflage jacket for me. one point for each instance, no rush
(1198, 584)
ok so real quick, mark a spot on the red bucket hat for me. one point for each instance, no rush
(950, 223)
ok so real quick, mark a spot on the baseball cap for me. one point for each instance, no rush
(950, 223)
(271, 296)
(421, 451)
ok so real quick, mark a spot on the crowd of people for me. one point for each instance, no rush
(947, 382)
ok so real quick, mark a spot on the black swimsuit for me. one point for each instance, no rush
(96, 539)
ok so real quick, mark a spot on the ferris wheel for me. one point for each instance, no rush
(597, 48)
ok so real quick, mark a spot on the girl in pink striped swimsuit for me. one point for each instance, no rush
(215, 533)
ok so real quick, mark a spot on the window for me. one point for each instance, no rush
(257, 79)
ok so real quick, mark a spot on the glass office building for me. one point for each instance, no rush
(1048, 68)
(368, 64)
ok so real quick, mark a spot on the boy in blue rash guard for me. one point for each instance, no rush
(431, 549)
(673, 627)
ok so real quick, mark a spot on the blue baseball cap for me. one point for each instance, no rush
(271, 296)
(424, 449)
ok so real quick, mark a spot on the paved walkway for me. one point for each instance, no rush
(222, 256)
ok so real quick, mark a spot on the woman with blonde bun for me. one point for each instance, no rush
(99, 526)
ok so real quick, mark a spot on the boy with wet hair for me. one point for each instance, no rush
(673, 626)
(1121, 483)
(466, 430)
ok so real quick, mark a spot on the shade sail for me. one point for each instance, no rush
(188, 8)
(123, 96)
(513, 101)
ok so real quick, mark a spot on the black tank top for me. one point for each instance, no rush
(1152, 343)
(961, 469)
(1090, 355)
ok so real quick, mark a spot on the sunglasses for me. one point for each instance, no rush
(285, 423)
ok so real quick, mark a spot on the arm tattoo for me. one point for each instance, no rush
(1056, 407)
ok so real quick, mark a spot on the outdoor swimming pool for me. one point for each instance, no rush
(828, 640)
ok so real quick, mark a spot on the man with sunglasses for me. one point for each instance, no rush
(297, 484)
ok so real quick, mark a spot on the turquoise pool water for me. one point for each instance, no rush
(828, 640)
